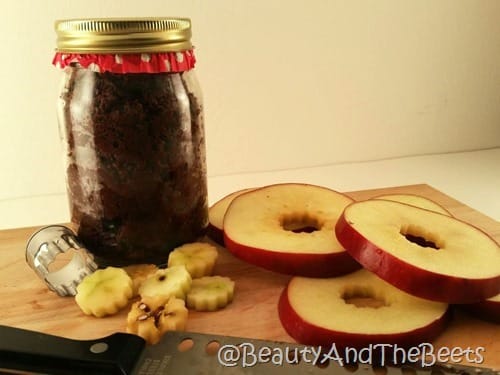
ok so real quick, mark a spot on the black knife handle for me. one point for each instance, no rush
(37, 352)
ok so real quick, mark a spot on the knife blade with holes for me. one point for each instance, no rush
(30, 352)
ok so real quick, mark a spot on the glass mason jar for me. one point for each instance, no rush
(131, 119)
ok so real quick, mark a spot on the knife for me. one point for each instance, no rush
(24, 351)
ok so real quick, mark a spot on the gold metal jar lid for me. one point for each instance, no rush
(123, 35)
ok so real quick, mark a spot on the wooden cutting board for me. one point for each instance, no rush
(26, 302)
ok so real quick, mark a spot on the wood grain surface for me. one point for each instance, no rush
(26, 302)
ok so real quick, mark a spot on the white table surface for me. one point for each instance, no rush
(470, 177)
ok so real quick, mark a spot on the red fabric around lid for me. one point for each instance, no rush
(161, 62)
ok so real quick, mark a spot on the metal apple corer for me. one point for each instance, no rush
(45, 245)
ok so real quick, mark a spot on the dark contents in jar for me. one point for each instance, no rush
(136, 172)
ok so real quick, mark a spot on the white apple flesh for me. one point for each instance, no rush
(415, 200)
(216, 216)
(288, 228)
(357, 310)
(424, 253)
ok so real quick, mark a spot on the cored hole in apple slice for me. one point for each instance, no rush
(363, 297)
(420, 237)
(300, 223)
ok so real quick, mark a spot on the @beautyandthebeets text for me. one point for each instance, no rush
(423, 355)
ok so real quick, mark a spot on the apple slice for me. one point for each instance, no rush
(417, 201)
(216, 216)
(357, 310)
(488, 309)
(288, 228)
(424, 253)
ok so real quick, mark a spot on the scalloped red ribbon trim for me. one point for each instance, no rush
(158, 62)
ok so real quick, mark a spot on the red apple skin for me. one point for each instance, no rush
(485, 310)
(310, 334)
(300, 264)
(409, 278)
(214, 232)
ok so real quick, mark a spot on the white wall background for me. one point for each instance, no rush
(287, 84)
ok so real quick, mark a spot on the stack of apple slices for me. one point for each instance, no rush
(422, 252)
(216, 216)
(417, 260)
